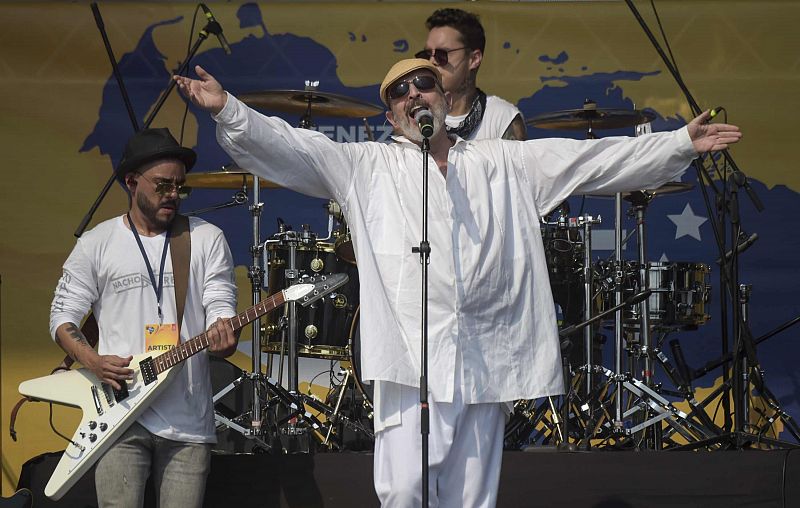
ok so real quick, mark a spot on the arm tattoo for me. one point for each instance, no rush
(516, 130)
(76, 334)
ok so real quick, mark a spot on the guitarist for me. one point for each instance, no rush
(123, 271)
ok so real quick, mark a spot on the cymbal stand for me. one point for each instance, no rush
(256, 275)
(618, 376)
(639, 201)
(587, 221)
(306, 121)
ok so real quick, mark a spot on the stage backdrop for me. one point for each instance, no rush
(63, 126)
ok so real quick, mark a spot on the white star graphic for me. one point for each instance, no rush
(688, 224)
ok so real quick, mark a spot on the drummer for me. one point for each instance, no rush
(493, 336)
(455, 45)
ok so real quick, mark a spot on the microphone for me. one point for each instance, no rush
(215, 28)
(424, 119)
(740, 248)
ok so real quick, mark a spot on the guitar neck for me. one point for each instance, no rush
(193, 346)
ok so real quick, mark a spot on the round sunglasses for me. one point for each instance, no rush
(440, 56)
(164, 188)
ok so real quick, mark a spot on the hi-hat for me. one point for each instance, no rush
(590, 118)
(231, 177)
(667, 188)
(320, 103)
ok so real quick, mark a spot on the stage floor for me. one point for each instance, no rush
(601, 479)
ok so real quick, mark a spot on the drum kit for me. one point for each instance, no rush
(638, 299)
(669, 296)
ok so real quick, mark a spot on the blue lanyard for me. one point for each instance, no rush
(158, 289)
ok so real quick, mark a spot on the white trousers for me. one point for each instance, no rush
(465, 453)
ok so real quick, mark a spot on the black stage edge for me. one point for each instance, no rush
(600, 479)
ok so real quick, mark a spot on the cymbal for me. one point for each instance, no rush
(667, 188)
(591, 118)
(322, 103)
(231, 177)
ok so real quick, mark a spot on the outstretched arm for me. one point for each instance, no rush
(205, 92)
(711, 137)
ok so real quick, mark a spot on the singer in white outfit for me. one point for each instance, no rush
(492, 326)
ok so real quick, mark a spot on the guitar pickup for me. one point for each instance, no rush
(122, 393)
(113, 395)
(98, 406)
(148, 370)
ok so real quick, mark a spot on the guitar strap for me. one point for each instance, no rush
(180, 248)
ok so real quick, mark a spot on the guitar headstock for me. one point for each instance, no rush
(312, 288)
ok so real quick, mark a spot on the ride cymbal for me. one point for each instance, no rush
(320, 103)
(590, 118)
(231, 177)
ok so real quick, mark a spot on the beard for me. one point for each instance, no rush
(409, 128)
(151, 211)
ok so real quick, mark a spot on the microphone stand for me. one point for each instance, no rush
(424, 251)
(638, 297)
(202, 36)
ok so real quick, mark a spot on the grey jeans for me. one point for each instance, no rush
(179, 471)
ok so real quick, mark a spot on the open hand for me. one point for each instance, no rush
(205, 92)
(711, 137)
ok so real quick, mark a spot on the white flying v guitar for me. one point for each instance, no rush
(108, 412)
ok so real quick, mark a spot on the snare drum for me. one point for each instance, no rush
(680, 293)
(323, 326)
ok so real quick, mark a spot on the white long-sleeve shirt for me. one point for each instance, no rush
(106, 272)
(490, 305)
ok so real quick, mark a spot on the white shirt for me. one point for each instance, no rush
(497, 117)
(106, 271)
(489, 293)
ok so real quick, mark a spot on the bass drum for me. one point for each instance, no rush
(322, 326)
(354, 347)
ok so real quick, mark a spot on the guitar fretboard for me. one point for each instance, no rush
(193, 346)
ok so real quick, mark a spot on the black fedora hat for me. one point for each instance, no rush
(149, 145)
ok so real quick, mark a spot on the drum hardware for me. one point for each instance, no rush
(639, 201)
(655, 409)
(254, 273)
